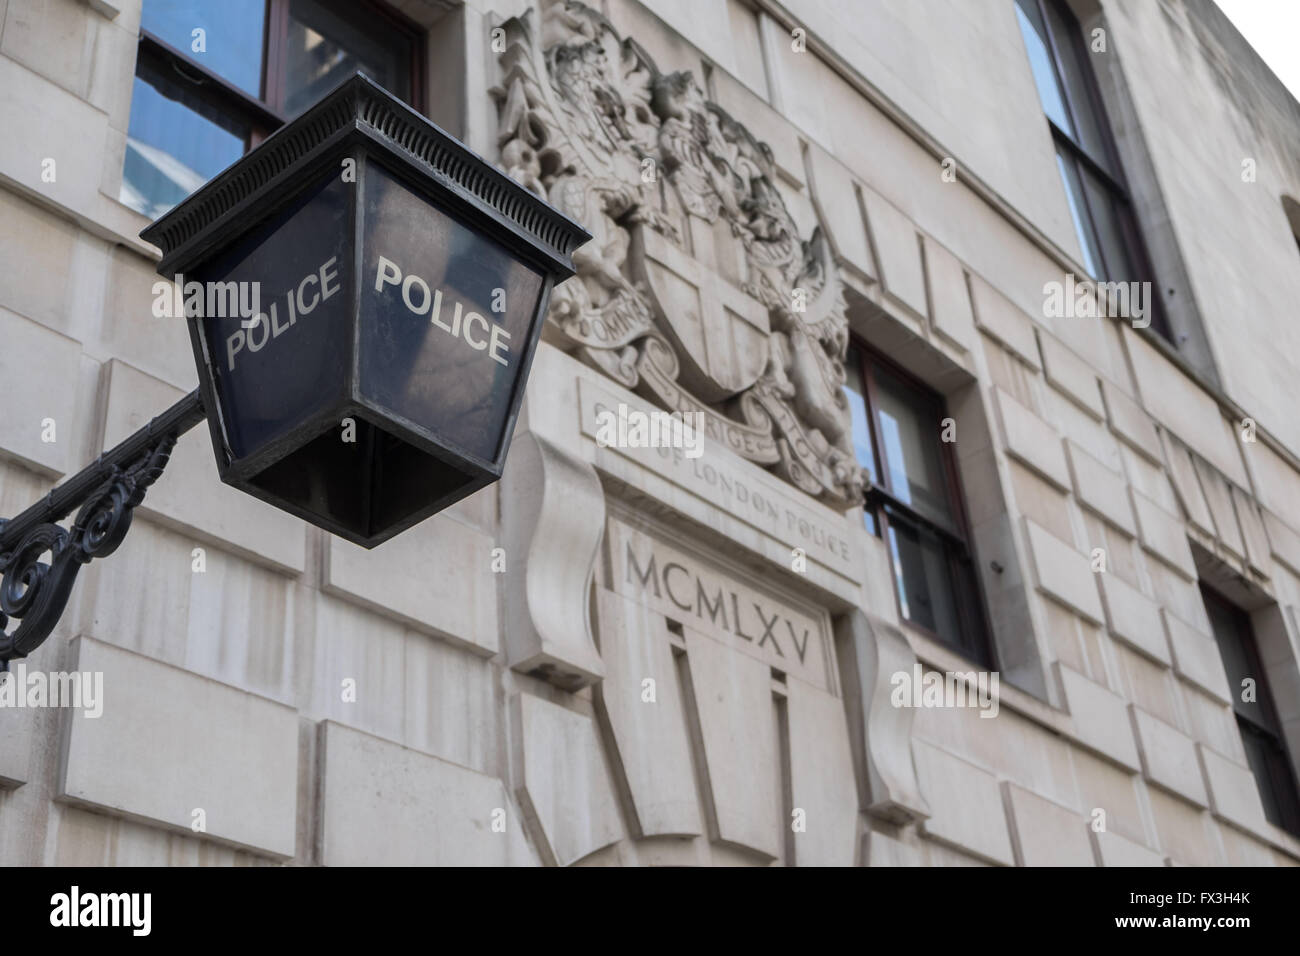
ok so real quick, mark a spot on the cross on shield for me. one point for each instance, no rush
(719, 332)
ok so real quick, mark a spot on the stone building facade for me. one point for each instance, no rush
(810, 220)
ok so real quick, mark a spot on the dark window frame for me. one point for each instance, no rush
(976, 640)
(1114, 183)
(262, 115)
(1260, 723)
(1291, 209)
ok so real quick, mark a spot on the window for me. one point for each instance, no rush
(912, 501)
(215, 79)
(1085, 151)
(1257, 720)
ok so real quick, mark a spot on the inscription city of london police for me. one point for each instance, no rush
(697, 292)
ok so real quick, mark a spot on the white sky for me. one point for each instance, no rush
(1272, 27)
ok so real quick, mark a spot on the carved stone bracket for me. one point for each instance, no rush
(870, 651)
(553, 513)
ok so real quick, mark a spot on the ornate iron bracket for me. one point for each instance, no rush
(106, 494)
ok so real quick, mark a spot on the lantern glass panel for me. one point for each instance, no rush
(444, 318)
(285, 365)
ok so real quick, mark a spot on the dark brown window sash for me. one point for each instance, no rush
(1261, 723)
(975, 640)
(263, 116)
(1114, 183)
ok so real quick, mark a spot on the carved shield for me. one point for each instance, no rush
(719, 332)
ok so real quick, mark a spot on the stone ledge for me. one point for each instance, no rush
(966, 804)
(189, 496)
(1031, 441)
(1003, 320)
(1063, 573)
(35, 353)
(1100, 718)
(1134, 618)
(1044, 833)
(1099, 489)
(384, 804)
(170, 742)
(1168, 757)
(436, 577)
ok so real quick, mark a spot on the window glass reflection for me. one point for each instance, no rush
(231, 41)
(855, 394)
(171, 150)
(925, 587)
(1078, 212)
(1040, 61)
(324, 48)
(1110, 234)
(1088, 125)
(910, 435)
(861, 431)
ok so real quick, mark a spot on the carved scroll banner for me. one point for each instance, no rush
(657, 367)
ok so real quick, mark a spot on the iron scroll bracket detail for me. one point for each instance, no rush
(105, 494)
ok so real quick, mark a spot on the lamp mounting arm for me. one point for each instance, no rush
(104, 495)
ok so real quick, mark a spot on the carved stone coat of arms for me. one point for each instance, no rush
(697, 291)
